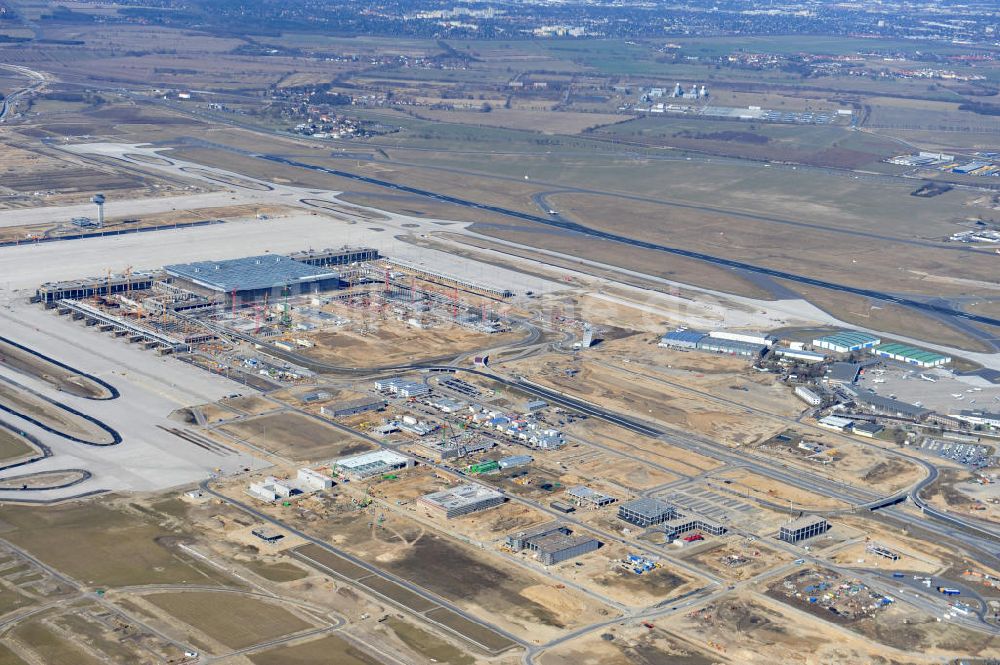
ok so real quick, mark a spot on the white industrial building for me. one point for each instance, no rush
(370, 464)
(836, 423)
(313, 480)
(799, 354)
(271, 489)
(808, 396)
(749, 338)
(978, 418)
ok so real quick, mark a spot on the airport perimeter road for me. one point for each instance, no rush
(38, 79)
(927, 307)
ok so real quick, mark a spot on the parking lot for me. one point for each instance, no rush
(973, 455)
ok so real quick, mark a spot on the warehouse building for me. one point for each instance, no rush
(910, 355)
(313, 480)
(681, 339)
(870, 430)
(370, 464)
(808, 396)
(646, 511)
(803, 528)
(846, 341)
(747, 338)
(353, 407)
(731, 347)
(584, 496)
(515, 461)
(836, 423)
(552, 543)
(887, 406)
(250, 278)
(462, 500)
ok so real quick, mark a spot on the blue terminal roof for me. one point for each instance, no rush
(691, 336)
(250, 273)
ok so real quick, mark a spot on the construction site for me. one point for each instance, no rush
(320, 304)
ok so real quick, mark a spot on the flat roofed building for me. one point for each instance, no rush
(731, 347)
(871, 430)
(891, 407)
(803, 528)
(335, 257)
(843, 373)
(846, 341)
(681, 339)
(978, 417)
(585, 496)
(836, 423)
(678, 525)
(646, 511)
(353, 407)
(462, 500)
(749, 338)
(412, 389)
(552, 543)
(808, 396)
(252, 277)
(314, 480)
(799, 354)
(370, 464)
(515, 461)
(910, 355)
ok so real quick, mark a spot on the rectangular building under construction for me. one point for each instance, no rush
(462, 500)
(552, 543)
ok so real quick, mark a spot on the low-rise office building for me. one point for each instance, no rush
(803, 528)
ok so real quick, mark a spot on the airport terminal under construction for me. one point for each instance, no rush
(282, 297)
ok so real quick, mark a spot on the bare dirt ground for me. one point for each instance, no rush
(389, 341)
(407, 544)
(736, 559)
(674, 458)
(295, 436)
(957, 490)
(647, 398)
